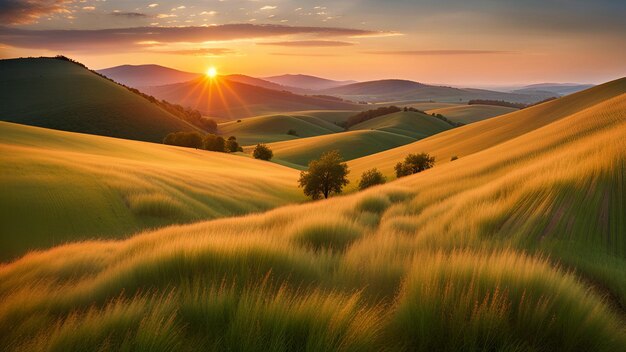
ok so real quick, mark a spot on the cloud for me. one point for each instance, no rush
(303, 54)
(23, 12)
(312, 43)
(201, 52)
(153, 5)
(126, 38)
(267, 7)
(89, 8)
(129, 14)
(438, 52)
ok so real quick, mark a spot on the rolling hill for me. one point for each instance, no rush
(60, 186)
(262, 83)
(407, 123)
(488, 133)
(233, 100)
(518, 245)
(273, 128)
(557, 89)
(352, 144)
(391, 90)
(62, 95)
(138, 76)
(471, 113)
(306, 82)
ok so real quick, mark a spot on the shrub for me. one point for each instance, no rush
(453, 158)
(213, 143)
(184, 139)
(414, 163)
(263, 152)
(327, 235)
(231, 145)
(371, 178)
(325, 176)
(292, 132)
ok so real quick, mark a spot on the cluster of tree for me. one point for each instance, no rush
(329, 174)
(369, 114)
(496, 103)
(330, 97)
(292, 132)
(414, 163)
(447, 120)
(208, 142)
(65, 58)
(262, 152)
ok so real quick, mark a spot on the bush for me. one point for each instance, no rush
(231, 145)
(371, 178)
(263, 152)
(414, 163)
(214, 143)
(184, 139)
(453, 158)
(292, 132)
(325, 176)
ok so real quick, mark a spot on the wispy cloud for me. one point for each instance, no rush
(438, 52)
(200, 52)
(23, 12)
(126, 38)
(312, 43)
(129, 14)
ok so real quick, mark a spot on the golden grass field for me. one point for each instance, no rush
(518, 245)
(60, 186)
(471, 113)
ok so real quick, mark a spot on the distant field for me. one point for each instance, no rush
(407, 123)
(369, 137)
(471, 113)
(59, 187)
(519, 245)
(273, 128)
(351, 145)
(64, 96)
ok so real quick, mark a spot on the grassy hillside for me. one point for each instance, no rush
(61, 95)
(519, 247)
(351, 145)
(272, 128)
(407, 123)
(233, 100)
(470, 139)
(59, 187)
(471, 113)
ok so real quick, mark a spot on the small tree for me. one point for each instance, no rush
(263, 152)
(325, 176)
(292, 132)
(371, 178)
(213, 143)
(414, 163)
(231, 145)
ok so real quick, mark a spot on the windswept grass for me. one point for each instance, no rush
(60, 187)
(519, 247)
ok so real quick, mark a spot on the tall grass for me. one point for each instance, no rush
(519, 247)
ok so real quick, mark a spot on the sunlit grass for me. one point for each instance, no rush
(518, 247)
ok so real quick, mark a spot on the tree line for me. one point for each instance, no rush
(214, 143)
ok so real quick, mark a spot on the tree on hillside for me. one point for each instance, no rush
(414, 163)
(371, 178)
(263, 152)
(213, 143)
(184, 139)
(325, 176)
(232, 146)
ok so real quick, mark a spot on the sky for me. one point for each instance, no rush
(457, 42)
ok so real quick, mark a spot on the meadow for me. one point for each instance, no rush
(518, 246)
(471, 113)
(61, 186)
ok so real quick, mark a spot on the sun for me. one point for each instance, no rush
(211, 72)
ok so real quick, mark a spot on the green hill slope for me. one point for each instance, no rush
(272, 128)
(520, 246)
(61, 95)
(471, 113)
(408, 123)
(59, 187)
(351, 145)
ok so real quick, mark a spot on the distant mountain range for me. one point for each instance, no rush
(558, 89)
(306, 82)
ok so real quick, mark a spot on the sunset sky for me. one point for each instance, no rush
(482, 42)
